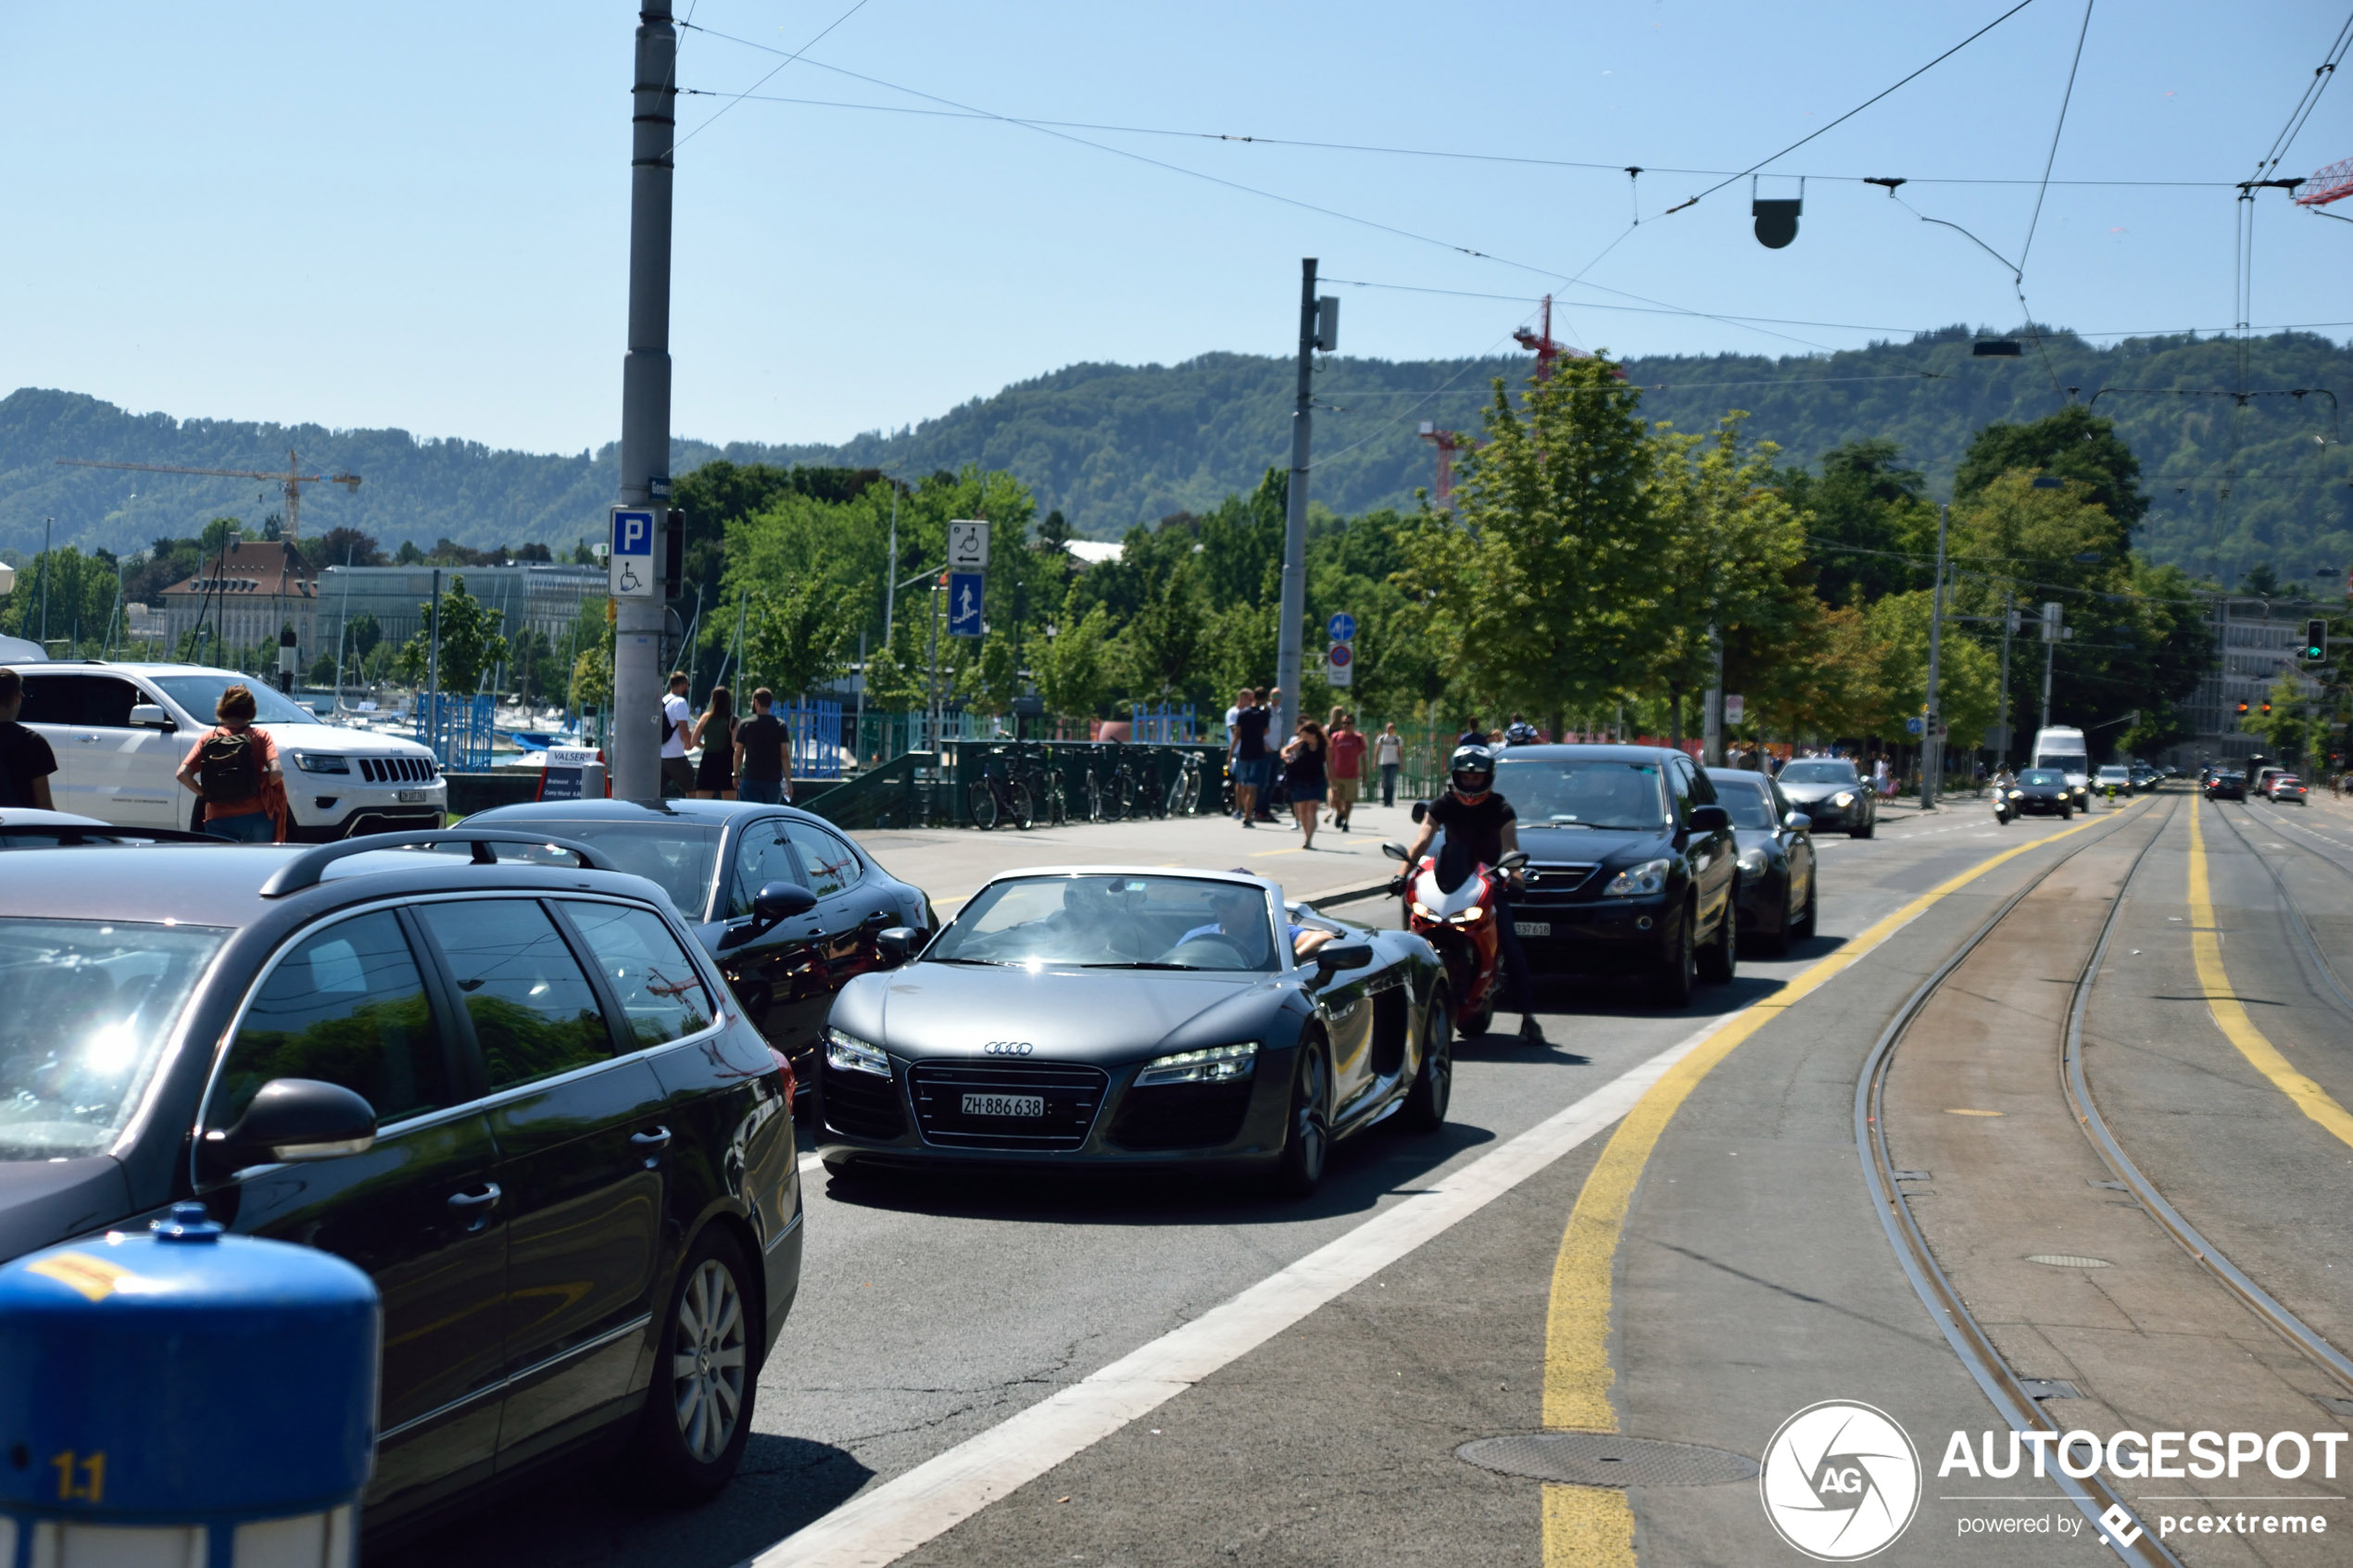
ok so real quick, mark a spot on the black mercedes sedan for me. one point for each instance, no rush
(1105, 1018)
(1778, 893)
(1833, 792)
(715, 859)
(1632, 868)
(2041, 791)
(517, 1095)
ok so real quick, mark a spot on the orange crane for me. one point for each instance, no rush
(1449, 442)
(291, 481)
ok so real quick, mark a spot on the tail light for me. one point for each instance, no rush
(784, 1072)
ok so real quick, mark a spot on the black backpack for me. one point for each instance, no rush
(229, 767)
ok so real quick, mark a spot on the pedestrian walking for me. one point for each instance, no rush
(1519, 732)
(26, 760)
(232, 768)
(763, 754)
(716, 733)
(1472, 734)
(1347, 766)
(1305, 783)
(1248, 760)
(1388, 755)
(677, 723)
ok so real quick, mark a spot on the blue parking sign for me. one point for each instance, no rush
(963, 604)
(630, 565)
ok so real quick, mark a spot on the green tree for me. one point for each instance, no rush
(1071, 664)
(797, 638)
(2283, 717)
(1870, 520)
(471, 645)
(1969, 685)
(2073, 444)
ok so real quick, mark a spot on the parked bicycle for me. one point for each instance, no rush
(1037, 770)
(997, 796)
(1184, 790)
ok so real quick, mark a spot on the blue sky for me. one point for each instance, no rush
(417, 215)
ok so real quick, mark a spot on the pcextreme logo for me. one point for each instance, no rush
(1841, 1481)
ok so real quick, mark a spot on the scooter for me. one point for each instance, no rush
(1460, 923)
(2003, 810)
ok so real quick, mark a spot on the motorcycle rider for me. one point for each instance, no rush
(2004, 782)
(1481, 828)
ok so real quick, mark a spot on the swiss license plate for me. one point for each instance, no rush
(1004, 1104)
(1532, 928)
(410, 796)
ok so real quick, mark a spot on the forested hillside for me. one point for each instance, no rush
(2233, 483)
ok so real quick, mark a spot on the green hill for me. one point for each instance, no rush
(2233, 483)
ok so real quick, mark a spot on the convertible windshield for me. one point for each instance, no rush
(1114, 922)
(90, 1006)
(2042, 776)
(1818, 771)
(676, 856)
(1581, 792)
(200, 694)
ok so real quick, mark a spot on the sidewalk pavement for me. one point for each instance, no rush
(952, 864)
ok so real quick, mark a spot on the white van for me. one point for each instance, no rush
(121, 732)
(2064, 749)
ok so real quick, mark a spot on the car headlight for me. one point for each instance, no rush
(2017, 794)
(1213, 1065)
(1844, 797)
(1471, 916)
(321, 762)
(1636, 881)
(1752, 861)
(847, 1053)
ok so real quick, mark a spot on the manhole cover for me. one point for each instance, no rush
(2066, 1260)
(1597, 1459)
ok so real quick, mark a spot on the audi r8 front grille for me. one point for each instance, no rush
(396, 769)
(861, 1104)
(988, 1104)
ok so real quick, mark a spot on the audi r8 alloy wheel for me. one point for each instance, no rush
(1308, 1139)
(1434, 1083)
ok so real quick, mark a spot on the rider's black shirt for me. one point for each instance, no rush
(1474, 833)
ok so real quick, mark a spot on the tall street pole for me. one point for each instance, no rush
(1712, 713)
(1932, 722)
(2009, 625)
(1294, 603)
(645, 397)
(47, 525)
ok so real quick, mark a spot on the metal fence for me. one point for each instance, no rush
(816, 730)
(456, 728)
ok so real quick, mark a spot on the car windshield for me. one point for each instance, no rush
(2114, 773)
(1582, 792)
(1749, 803)
(1115, 921)
(2042, 776)
(90, 1006)
(1819, 772)
(200, 694)
(678, 857)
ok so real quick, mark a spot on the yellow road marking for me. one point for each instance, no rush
(1593, 1526)
(2230, 1015)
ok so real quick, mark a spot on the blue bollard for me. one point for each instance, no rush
(185, 1397)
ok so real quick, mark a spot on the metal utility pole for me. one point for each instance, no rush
(2052, 631)
(1318, 328)
(2002, 725)
(1711, 723)
(1932, 722)
(47, 524)
(890, 573)
(645, 397)
(433, 648)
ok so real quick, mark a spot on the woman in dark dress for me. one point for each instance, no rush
(1303, 777)
(716, 733)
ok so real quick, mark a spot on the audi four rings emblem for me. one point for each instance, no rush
(1008, 1048)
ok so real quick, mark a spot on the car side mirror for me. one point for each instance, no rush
(1710, 819)
(1421, 811)
(898, 944)
(1334, 956)
(150, 716)
(294, 1119)
(775, 903)
(1798, 821)
(1395, 850)
(1512, 861)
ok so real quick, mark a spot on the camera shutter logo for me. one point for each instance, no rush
(1841, 1481)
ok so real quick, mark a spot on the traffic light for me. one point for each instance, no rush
(674, 552)
(2243, 709)
(2267, 708)
(2316, 641)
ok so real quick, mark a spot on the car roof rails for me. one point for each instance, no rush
(306, 870)
(107, 831)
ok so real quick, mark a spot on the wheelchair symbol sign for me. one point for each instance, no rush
(630, 568)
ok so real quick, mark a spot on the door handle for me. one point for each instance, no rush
(653, 1141)
(475, 1207)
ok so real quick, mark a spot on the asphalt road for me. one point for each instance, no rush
(1743, 1273)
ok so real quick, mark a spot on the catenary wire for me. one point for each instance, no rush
(857, 6)
(2051, 159)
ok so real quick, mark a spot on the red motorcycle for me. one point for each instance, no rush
(1460, 923)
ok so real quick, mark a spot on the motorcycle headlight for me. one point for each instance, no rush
(1216, 1064)
(1425, 911)
(1636, 881)
(847, 1053)
(321, 762)
(1752, 861)
(1844, 797)
(1471, 916)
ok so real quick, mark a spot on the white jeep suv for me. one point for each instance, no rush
(121, 732)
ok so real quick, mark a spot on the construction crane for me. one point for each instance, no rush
(2332, 184)
(291, 481)
(1449, 442)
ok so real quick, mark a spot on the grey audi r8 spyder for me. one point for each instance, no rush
(1112, 1018)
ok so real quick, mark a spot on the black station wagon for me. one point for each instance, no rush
(518, 1095)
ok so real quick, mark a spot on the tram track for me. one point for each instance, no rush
(2002, 1384)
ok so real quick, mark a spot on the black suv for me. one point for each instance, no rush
(1632, 867)
(518, 1095)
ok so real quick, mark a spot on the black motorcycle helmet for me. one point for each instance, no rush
(1472, 771)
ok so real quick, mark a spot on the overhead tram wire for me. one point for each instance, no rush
(2018, 282)
(857, 6)
(1374, 224)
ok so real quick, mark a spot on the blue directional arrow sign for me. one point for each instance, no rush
(630, 566)
(1912, 726)
(963, 604)
(1343, 627)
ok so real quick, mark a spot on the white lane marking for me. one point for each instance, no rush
(808, 1163)
(902, 1513)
